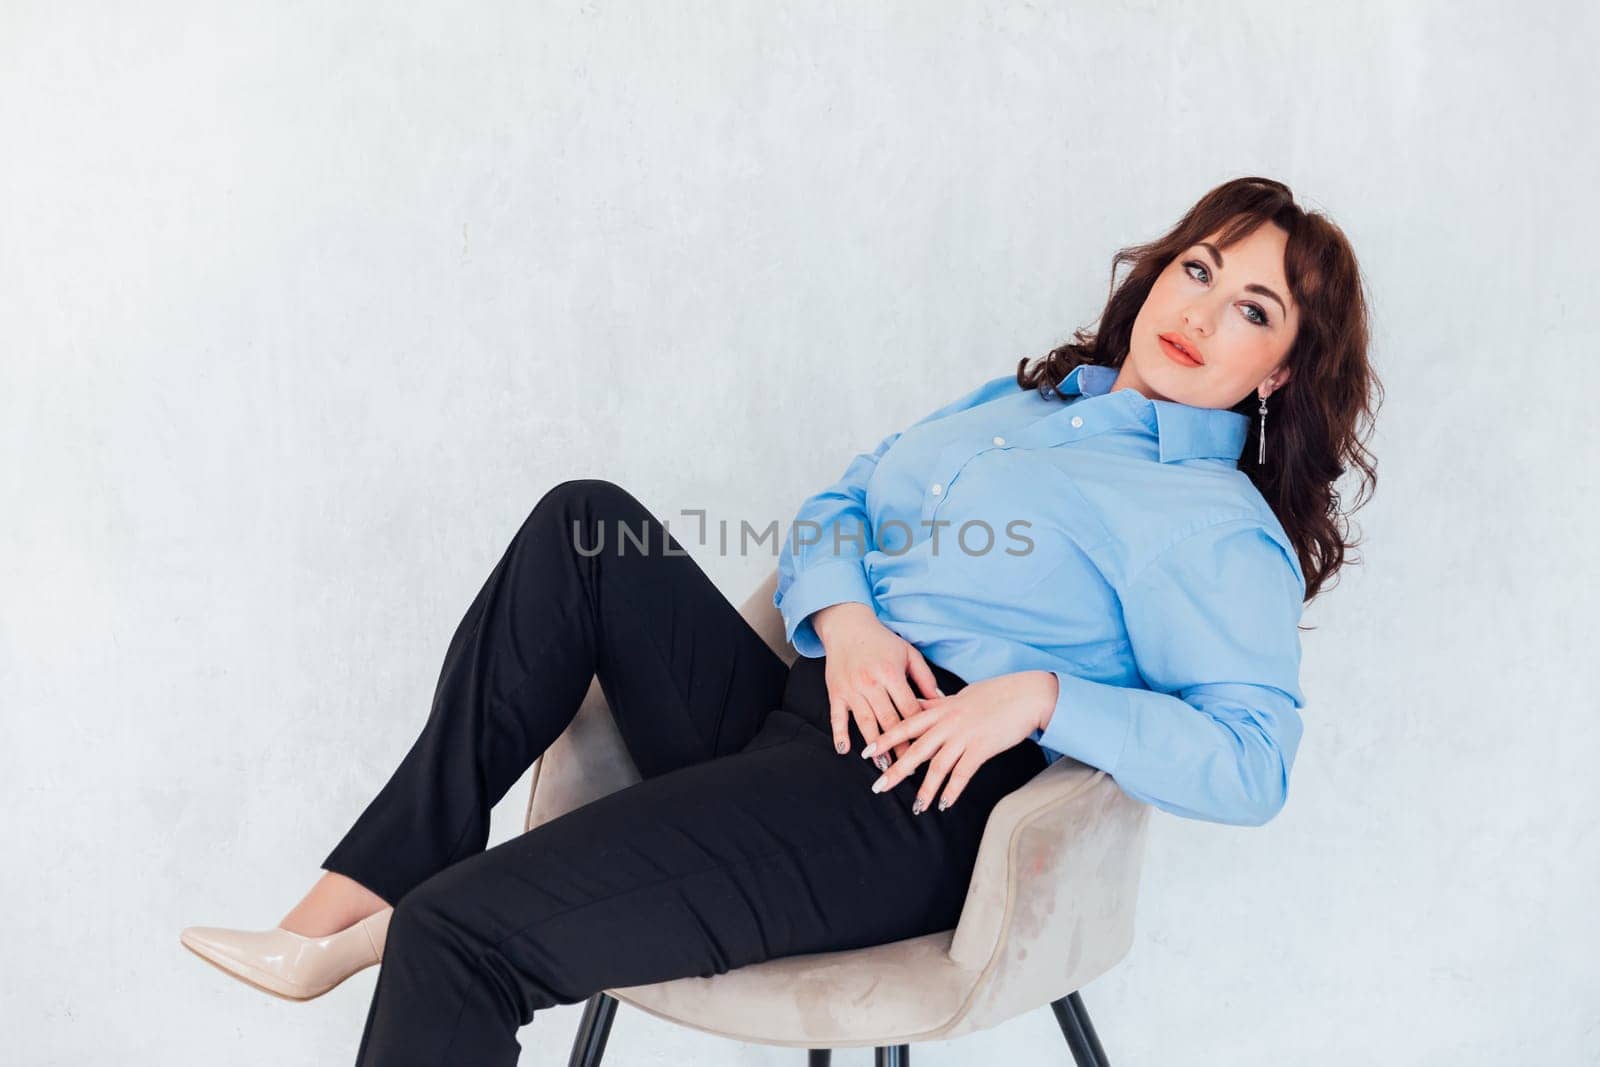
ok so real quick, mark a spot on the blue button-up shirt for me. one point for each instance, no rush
(1102, 536)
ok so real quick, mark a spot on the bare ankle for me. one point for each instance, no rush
(334, 903)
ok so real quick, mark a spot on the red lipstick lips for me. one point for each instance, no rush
(1178, 352)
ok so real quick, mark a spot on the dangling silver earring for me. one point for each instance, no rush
(1261, 438)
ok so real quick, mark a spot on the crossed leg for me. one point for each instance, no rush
(749, 838)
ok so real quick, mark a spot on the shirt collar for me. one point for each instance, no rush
(1182, 431)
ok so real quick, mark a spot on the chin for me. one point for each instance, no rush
(1153, 386)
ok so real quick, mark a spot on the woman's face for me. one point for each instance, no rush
(1232, 309)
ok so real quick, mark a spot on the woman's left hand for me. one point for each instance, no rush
(956, 734)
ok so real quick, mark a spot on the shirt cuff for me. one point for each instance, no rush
(821, 586)
(1090, 722)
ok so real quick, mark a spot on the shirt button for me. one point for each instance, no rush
(936, 489)
(999, 440)
(1077, 420)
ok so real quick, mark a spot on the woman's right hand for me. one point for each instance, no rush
(866, 669)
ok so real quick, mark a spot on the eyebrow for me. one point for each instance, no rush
(1252, 287)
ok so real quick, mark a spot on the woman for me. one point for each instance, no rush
(1121, 577)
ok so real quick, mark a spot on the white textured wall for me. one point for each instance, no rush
(302, 306)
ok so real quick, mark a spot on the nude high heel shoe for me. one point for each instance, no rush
(287, 964)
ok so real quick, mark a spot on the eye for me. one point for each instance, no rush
(1261, 321)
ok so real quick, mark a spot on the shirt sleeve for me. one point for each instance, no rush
(1214, 625)
(821, 561)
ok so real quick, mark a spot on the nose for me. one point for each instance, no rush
(1197, 320)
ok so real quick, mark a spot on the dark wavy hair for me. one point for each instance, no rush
(1318, 419)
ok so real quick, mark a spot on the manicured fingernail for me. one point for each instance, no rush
(843, 747)
(880, 785)
(867, 751)
(881, 762)
(919, 807)
(938, 692)
(943, 804)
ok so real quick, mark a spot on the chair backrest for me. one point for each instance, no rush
(759, 611)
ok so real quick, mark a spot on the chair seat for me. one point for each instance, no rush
(900, 992)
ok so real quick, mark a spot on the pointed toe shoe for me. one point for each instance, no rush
(287, 964)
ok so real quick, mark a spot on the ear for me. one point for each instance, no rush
(1278, 378)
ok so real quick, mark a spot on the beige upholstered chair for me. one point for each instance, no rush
(1050, 907)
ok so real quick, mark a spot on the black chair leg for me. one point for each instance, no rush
(590, 1044)
(1088, 1028)
(892, 1056)
(1073, 1018)
(820, 1057)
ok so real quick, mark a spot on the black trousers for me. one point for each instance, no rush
(749, 838)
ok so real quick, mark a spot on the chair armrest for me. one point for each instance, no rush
(1051, 902)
